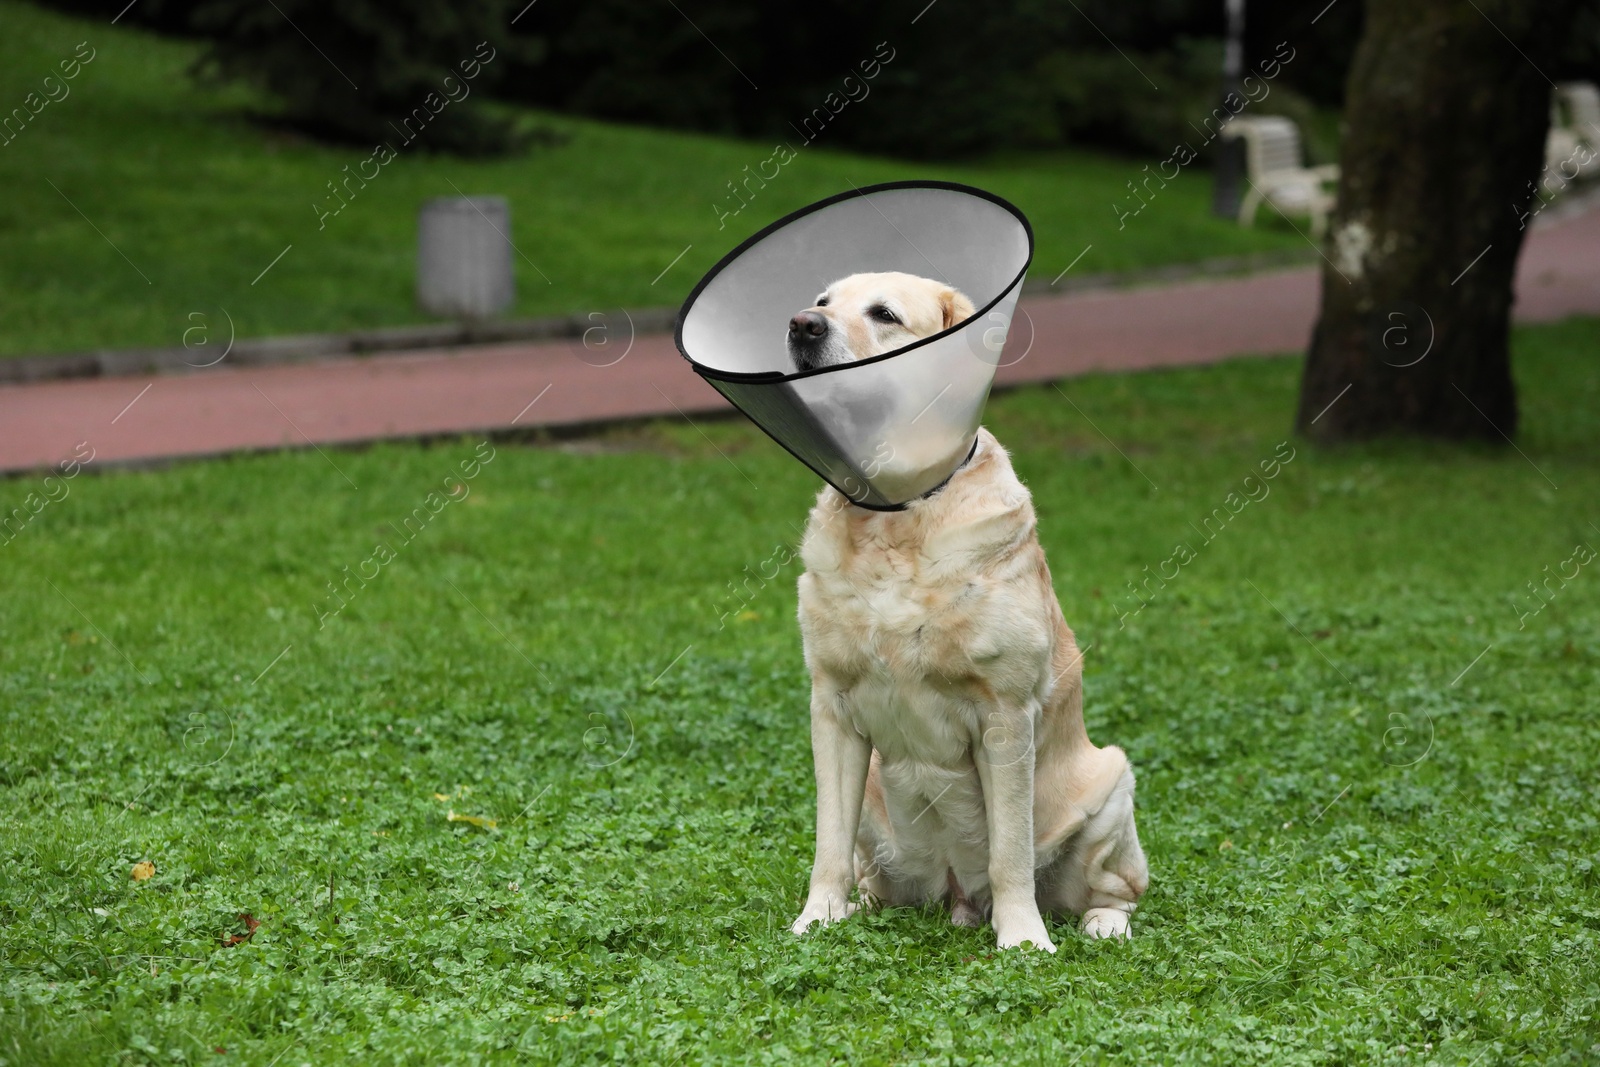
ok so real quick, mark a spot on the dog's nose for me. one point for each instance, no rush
(807, 326)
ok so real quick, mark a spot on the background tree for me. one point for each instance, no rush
(1447, 109)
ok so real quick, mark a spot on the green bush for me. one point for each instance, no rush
(1101, 97)
(968, 76)
(1147, 102)
(363, 71)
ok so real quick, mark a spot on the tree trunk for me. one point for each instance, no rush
(1447, 112)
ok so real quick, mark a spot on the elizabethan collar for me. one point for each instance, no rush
(890, 428)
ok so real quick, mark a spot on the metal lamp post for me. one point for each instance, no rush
(1225, 193)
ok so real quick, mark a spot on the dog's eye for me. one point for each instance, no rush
(822, 301)
(882, 314)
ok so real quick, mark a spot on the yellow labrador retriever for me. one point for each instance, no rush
(947, 691)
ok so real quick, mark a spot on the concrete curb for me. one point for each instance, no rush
(303, 348)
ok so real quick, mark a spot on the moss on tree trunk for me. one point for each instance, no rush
(1447, 114)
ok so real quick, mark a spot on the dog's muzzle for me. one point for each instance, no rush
(812, 343)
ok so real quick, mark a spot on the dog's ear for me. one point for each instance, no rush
(956, 307)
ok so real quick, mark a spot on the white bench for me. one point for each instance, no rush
(1276, 173)
(1581, 102)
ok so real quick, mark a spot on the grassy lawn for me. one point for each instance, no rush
(192, 202)
(1367, 783)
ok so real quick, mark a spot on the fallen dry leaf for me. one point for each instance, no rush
(250, 924)
(143, 870)
(482, 822)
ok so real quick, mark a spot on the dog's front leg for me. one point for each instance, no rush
(841, 756)
(1005, 760)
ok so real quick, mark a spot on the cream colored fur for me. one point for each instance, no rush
(947, 729)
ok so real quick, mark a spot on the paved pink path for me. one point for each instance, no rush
(550, 383)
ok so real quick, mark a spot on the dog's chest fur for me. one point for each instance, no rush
(921, 618)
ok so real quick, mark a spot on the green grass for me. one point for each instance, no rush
(1362, 851)
(200, 201)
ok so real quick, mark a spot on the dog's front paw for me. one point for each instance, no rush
(825, 909)
(1018, 930)
(1106, 922)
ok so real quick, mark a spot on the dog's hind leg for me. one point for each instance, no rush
(876, 870)
(963, 912)
(899, 871)
(1102, 873)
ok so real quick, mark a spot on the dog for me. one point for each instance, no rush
(947, 734)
